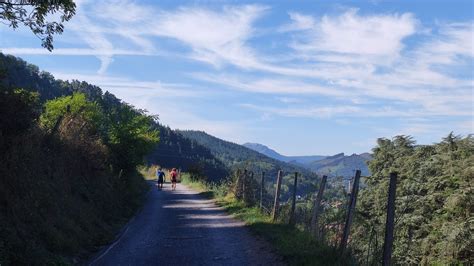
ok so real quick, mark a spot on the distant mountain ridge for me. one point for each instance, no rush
(275, 155)
(342, 165)
(335, 165)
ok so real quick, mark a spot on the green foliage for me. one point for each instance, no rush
(434, 201)
(76, 104)
(129, 133)
(131, 136)
(33, 14)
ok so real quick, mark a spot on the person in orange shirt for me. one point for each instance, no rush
(174, 178)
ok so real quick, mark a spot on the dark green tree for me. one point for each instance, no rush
(434, 204)
(131, 136)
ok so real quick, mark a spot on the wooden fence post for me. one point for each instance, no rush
(316, 206)
(389, 225)
(244, 180)
(276, 204)
(238, 184)
(293, 202)
(350, 211)
(262, 188)
(250, 194)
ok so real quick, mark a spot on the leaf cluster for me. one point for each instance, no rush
(34, 14)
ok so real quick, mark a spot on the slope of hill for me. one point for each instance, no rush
(64, 189)
(265, 151)
(275, 155)
(237, 156)
(172, 151)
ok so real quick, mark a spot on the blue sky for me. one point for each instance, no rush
(303, 77)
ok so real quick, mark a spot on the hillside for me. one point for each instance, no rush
(68, 178)
(237, 156)
(172, 151)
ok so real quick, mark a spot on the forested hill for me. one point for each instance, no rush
(175, 150)
(172, 151)
(236, 156)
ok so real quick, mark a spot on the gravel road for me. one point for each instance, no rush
(183, 228)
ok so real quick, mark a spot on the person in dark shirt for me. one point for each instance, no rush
(161, 178)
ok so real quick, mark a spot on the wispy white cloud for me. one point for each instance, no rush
(290, 99)
(213, 35)
(72, 51)
(351, 33)
(350, 111)
(269, 85)
(299, 22)
(125, 87)
(309, 112)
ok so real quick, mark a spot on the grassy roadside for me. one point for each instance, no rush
(295, 246)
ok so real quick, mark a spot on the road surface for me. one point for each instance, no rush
(183, 228)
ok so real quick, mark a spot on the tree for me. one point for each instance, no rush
(76, 104)
(33, 14)
(433, 207)
(131, 136)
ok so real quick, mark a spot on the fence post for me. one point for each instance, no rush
(316, 206)
(389, 225)
(262, 188)
(238, 184)
(293, 202)
(250, 194)
(276, 204)
(350, 211)
(244, 180)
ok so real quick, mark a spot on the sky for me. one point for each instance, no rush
(302, 77)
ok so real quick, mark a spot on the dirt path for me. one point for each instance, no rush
(183, 228)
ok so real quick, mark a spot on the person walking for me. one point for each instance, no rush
(174, 178)
(161, 177)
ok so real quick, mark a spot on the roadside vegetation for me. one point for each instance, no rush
(68, 178)
(294, 245)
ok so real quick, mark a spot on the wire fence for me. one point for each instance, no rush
(329, 221)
